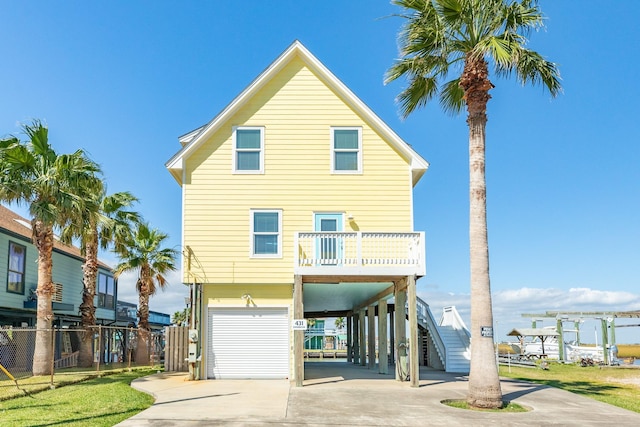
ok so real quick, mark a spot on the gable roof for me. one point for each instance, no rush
(13, 223)
(192, 140)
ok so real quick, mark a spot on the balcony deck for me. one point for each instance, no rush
(357, 254)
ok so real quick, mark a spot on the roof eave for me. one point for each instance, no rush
(196, 137)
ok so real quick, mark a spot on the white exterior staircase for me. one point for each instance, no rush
(450, 337)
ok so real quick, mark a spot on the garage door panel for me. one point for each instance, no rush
(248, 343)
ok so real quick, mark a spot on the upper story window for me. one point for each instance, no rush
(266, 233)
(346, 150)
(106, 291)
(15, 275)
(248, 149)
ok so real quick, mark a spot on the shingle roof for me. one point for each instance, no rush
(12, 222)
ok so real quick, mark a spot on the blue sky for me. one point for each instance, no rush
(123, 80)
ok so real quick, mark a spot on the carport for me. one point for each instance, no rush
(360, 299)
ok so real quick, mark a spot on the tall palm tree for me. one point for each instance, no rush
(109, 224)
(142, 252)
(55, 187)
(458, 40)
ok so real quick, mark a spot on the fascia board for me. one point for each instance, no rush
(231, 108)
(198, 136)
(416, 161)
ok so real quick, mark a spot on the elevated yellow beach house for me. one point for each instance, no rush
(297, 203)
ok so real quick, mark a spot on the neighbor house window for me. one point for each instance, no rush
(266, 233)
(57, 292)
(106, 291)
(15, 276)
(248, 149)
(346, 150)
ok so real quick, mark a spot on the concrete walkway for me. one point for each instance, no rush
(341, 394)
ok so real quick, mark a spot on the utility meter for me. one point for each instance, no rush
(193, 346)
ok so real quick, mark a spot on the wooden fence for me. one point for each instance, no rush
(176, 348)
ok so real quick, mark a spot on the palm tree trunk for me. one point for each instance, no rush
(484, 382)
(142, 351)
(43, 352)
(87, 307)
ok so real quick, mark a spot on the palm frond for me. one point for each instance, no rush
(452, 97)
(437, 34)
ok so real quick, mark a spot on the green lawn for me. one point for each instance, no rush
(103, 401)
(614, 385)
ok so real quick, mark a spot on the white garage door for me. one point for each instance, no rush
(248, 342)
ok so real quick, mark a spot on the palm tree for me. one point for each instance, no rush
(438, 39)
(142, 253)
(55, 187)
(339, 322)
(109, 224)
(181, 318)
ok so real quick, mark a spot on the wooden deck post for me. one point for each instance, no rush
(392, 338)
(363, 340)
(371, 338)
(383, 359)
(349, 340)
(401, 332)
(298, 335)
(414, 369)
(356, 339)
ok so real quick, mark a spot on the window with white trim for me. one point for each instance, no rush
(248, 149)
(266, 233)
(346, 149)
(15, 274)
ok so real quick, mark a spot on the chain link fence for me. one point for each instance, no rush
(107, 348)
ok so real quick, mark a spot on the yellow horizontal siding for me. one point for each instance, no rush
(297, 112)
(230, 295)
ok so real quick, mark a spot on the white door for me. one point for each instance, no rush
(248, 342)
(329, 247)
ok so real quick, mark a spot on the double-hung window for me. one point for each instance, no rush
(346, 149)
(15, 276)
(248, 149)
(266, 233)
(106, 291)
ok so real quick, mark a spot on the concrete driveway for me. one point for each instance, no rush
(341, 394)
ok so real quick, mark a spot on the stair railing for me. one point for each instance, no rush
(426, 320)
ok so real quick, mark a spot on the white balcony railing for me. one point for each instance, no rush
(360, 253)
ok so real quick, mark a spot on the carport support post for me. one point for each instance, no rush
(401, 332)
(356, 339)
(298, 335)
(383, 360)
(349, 338)
(371, 336)
(392, 340)
(363, 338)
(414, 369)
